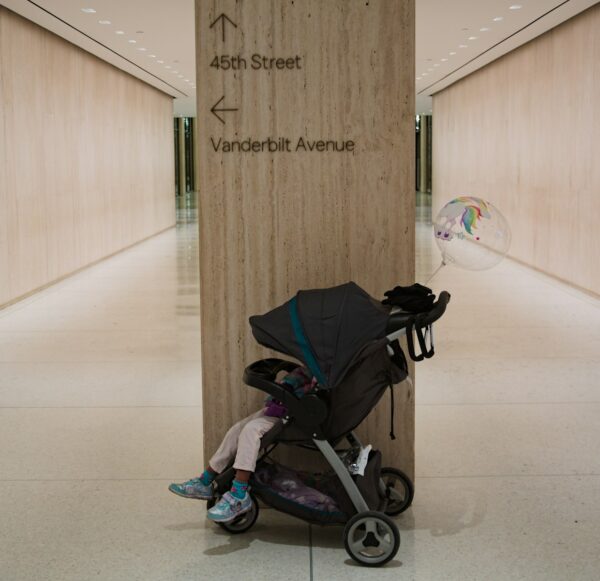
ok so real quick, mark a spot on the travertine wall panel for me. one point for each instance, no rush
(523, 132)
(86, 158)
(273, 222)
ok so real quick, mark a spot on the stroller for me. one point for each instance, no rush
(349, 342)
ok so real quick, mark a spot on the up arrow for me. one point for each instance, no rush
(223, 18)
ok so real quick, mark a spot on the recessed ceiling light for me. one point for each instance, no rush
(484, 29)
(88, 10)
(161, 62)
(515, 7)
(462, 46)
(119, 32)
(444, 60)
(452, 53)
(104, 21)
(498, 18)
(141, 48)
(472, 38)
(133, 41)
(151, 56)
(424, 74)
(187, 80)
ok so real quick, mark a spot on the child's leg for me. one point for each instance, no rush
(238, 501)
(248, 447)
(201, 487)
(228, 447)
(248, 444)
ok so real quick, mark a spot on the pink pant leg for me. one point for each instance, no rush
(247, 439)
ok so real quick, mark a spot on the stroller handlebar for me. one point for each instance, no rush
(438, 309)
(402, 323)
(401, 319)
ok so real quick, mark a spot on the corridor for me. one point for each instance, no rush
(101, 408)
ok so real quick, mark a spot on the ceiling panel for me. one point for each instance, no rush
(453, 38)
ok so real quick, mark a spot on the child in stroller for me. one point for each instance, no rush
(242, 444)
(348, 345)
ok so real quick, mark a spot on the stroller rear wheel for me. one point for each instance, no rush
(371, 538)
(243, 522)
(399, 490)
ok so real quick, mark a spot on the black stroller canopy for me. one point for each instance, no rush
(323, 328)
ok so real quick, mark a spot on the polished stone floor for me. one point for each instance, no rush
(100, 408)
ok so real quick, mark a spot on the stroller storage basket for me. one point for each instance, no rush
(287, 491)
(315, 498)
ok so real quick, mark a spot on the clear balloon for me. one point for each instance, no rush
(471, 233)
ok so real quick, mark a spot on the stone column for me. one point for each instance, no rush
(306, 176)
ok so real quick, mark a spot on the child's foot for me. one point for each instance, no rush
(193, 488)
(229, 508)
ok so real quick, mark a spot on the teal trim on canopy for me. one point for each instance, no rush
(309, 357)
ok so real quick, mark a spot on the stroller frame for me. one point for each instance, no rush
(309, 412)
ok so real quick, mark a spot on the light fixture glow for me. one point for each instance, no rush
(104, 21)
(132, 41)
(472, 38)
(167, 66)
(452, 53)
(444, 60)
(515, 7)
(462, 46)
(484, 29)
(88, 10)
(498, 18)
(119, 32)
(161, 62)
(141, 48)
(152, 56)
(424, 74)
(436, 65)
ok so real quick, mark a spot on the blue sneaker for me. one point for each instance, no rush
(229, 508)
(193, 488)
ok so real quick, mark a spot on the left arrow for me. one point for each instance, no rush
(215, 111)
(222, 18)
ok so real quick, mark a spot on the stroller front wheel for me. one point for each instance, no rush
(371, 538)
(243, 522)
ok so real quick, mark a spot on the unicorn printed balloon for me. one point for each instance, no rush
(471, 233)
